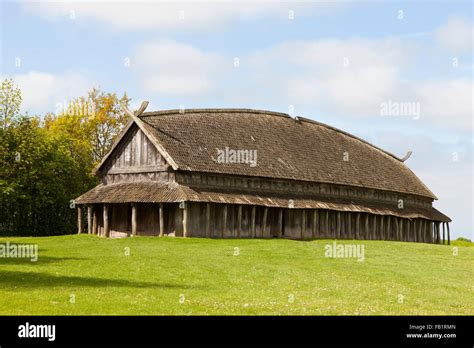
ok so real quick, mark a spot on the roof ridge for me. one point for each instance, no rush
(214, 110)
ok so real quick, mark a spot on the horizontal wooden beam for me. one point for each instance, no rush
(143, 169)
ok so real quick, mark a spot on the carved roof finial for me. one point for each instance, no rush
(407, 156)
(136, 113)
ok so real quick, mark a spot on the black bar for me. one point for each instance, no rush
(194, 330)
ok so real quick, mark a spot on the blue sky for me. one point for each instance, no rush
(336, 62)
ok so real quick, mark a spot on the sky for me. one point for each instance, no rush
(396, 73)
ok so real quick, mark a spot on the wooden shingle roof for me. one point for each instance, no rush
(287, 148)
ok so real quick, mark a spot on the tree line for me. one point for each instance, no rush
(47, 160)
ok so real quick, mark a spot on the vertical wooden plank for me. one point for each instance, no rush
(449, 239)
(444, 233)
(367, 229)
(397, 229)
(303, 224)
(138, 146)
(79, 219)
(418, 230)
(185, 219)
(326, 228)
(315, 223)
(94, 220)
(280, 222)
(224, 227)
(402, 229)
(264, 223)
(254, 208)
(208, 220)
(349, 226)
(409, 232)
(388, 234)
(382, 230)
(134, 219)
(161, 213)
(358, 226)
(425, 231)
(338, 225)
(438, 235)
(375, 233)
(106, 220)
(89, 219)
(239, 221)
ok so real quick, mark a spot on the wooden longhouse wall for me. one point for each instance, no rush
(136, 159)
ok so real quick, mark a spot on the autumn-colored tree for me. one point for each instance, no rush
(92, 121)
(46, 163)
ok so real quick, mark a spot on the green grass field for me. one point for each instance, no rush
(87, 275)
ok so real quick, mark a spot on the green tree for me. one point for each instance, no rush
(46, 163)
(10, 101)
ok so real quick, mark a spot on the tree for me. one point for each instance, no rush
(46, 163)
(92, 121)
(10, 101)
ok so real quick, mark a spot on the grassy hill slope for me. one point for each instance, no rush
(172, 276)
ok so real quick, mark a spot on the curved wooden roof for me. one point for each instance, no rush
(287, 148)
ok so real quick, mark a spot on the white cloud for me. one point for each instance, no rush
(456, 35)
(151, 14)
(42, 91)
(447, 102)
(351, 76)
(172, 68)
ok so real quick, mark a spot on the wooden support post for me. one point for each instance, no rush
(431, 231)
(358, 226)
(106, 220)
(326, 228)
(280, 222)
(389, 230)
(382, 231)
(224, 228)
(89, 219)
(351, 235)
(401, 230)
(94, 220)
(449, 240)
(438, 236)
(303, 223)
(134, 219)
(252, 231)
(208, 220)
(185, 219)
(239, 221)
(161, 214)
(315, 223)
(415, 230)
(264, 222)
(409, 232)
(397, 227)
(338, 225)
(374, 232)
(420, 230)
(426, 232)
(79, 219)
(444, 233)
(367, 229)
